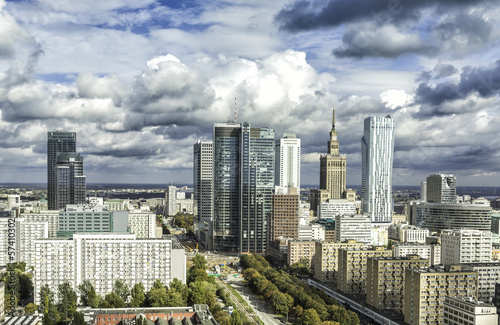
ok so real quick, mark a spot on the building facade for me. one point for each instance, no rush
(467, 311)
(102, 259)
(465, 246)
(377, 149)
(301, 250)
(355, 227)
(70, 182)
(57, 142)
(284, 218)
(352, 268)
(438, 216)
(203, 180)
(441, 188)
(385, 280)
(426, 289)
(287, 161)
(243, 186)
(326, 259)
(488, 276)
(331, 208)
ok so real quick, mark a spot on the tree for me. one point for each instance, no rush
(121, 289)
(157, 295)
(78, 319)
(30, 308)
(310, 317)
(177, 286)
(67, 300)
(222, 317)
(46, 297)
(25, 286)
(236, 318)
(88, 296)
(199, 262)
(282, 302)
(138, 295)
(112, 300)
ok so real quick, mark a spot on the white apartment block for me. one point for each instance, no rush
(117, 205)
(184, 206)
(312, 232)
(142, 224)
(102, 259)
(413, 234)
(353, 227)
(49, 216)
(467, 311)
(171, 198)
(489, 275)
(20, 235)
(287, 161)
(404, 249)
(465, 246)
(334, 207)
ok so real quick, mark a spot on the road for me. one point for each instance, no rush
(236, 301)
(262, 310)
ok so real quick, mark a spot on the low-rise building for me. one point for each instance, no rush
(467, 311)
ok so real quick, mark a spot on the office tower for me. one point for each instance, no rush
(171, 201)
(243, 186)
(385, 278)
(104, 258)
(438, 216)
(377, 149)
(284, 218)
(352, 268)
(69, 179)
(333, 167)
(441, 188)
(203, 179)
(426, 289)
(57, 142)
(423, 191)
(465, 246)
(465, 310)
(326, 259)
(287, 164)
(355, 227)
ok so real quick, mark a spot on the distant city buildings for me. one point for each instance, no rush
(377, 149)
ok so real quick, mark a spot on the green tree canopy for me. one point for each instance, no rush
(67, 300)
(88, 296)
(121, 289)
(138, 295)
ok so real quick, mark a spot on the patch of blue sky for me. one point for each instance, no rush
(58, 78)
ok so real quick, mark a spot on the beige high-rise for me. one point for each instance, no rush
(333, 167)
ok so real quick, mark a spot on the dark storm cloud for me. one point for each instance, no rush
(483, 81)
(441, 70)
(304, 15)
(386, 41)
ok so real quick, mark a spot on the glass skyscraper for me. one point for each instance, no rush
(377, 150)
(57, 142)
(69, 179)
(243, 186)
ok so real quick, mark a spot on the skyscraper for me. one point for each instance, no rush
(243, 186)
(57, 142)
(441, 188)
(287, 155)
(203, 179)
(377, 149)
(69, 179)
(333, 167)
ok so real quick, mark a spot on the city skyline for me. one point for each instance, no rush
(140, 83)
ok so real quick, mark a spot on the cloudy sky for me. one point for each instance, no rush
(140, 81)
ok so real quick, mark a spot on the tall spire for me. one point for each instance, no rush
(333, 120)
(333, 143)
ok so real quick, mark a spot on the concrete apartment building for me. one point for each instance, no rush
(143, 224)
(465, 246)
(49, 216)
(326, 259)
(104, 258)
(352, 267)
(426, 289)
(432, 252)
(385, 280)
(467, 311)
(356, 227)
(489, 275)
(301, 250)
